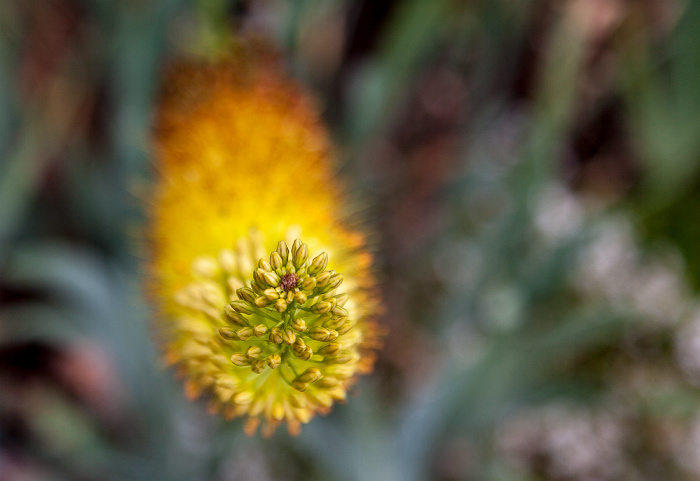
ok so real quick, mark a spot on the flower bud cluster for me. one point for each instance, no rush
(290, 316)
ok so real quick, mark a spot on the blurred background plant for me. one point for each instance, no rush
(530, 170)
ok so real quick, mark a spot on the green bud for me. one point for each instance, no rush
(318, 333)
(228, 334)
(321, 307)
(342, 299)
(343, 357)
(281, 305)
(271, 294)
(261, 301)
(264, 265)
(235, 317)
(260, 330)
(258, 366)
(241, 307)
(300, 386)
(318, 264)
(312, 374)
(246, 294)
(253, 352)
(298, 346)
(323, 278)
(339, 311)
(301, 256)
(276, 336)
(334, 322)
(308, 284)
(244, 397)
(299, 324)
(300, 297)
(347, 325)
(282, 251)
(270, 278)
(288, 336)
(328, 383)
(306, 354)
(274, 361)
(239, 359)
(276, 260)
(244, 333)
(332, 335)
(331, 349)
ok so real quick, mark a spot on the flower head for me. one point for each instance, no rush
(248, 315)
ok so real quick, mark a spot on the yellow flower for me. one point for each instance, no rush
(253, 318)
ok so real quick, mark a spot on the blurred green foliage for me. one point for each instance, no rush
(529, 170)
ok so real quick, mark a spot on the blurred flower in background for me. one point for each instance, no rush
(529, 173)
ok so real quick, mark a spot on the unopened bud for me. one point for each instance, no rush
(260, 330)
(270, 278)
(298, 324)
(328, 383)
(301, 256)
(318, 333)
(347, 325)
(323, 278)
(318, 264)
(281, 305)
(342, 299)
(276, 335)
(244, 397)
(282, 251)
(275, 260)
(306, 354)
(312, 374)
(271, 294)
(258, 366)
(332, 335)
(239, 359)
(321, 307)
(261, 301)
(244, 333)
(331, 349)
(300, 386)
(298, 345)
(235, 317)
(274, 361)
(228, 333)
(241, 307)
(288, 336)
(246, 294)
(253, 352)
(308, 284)
(300, 297)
